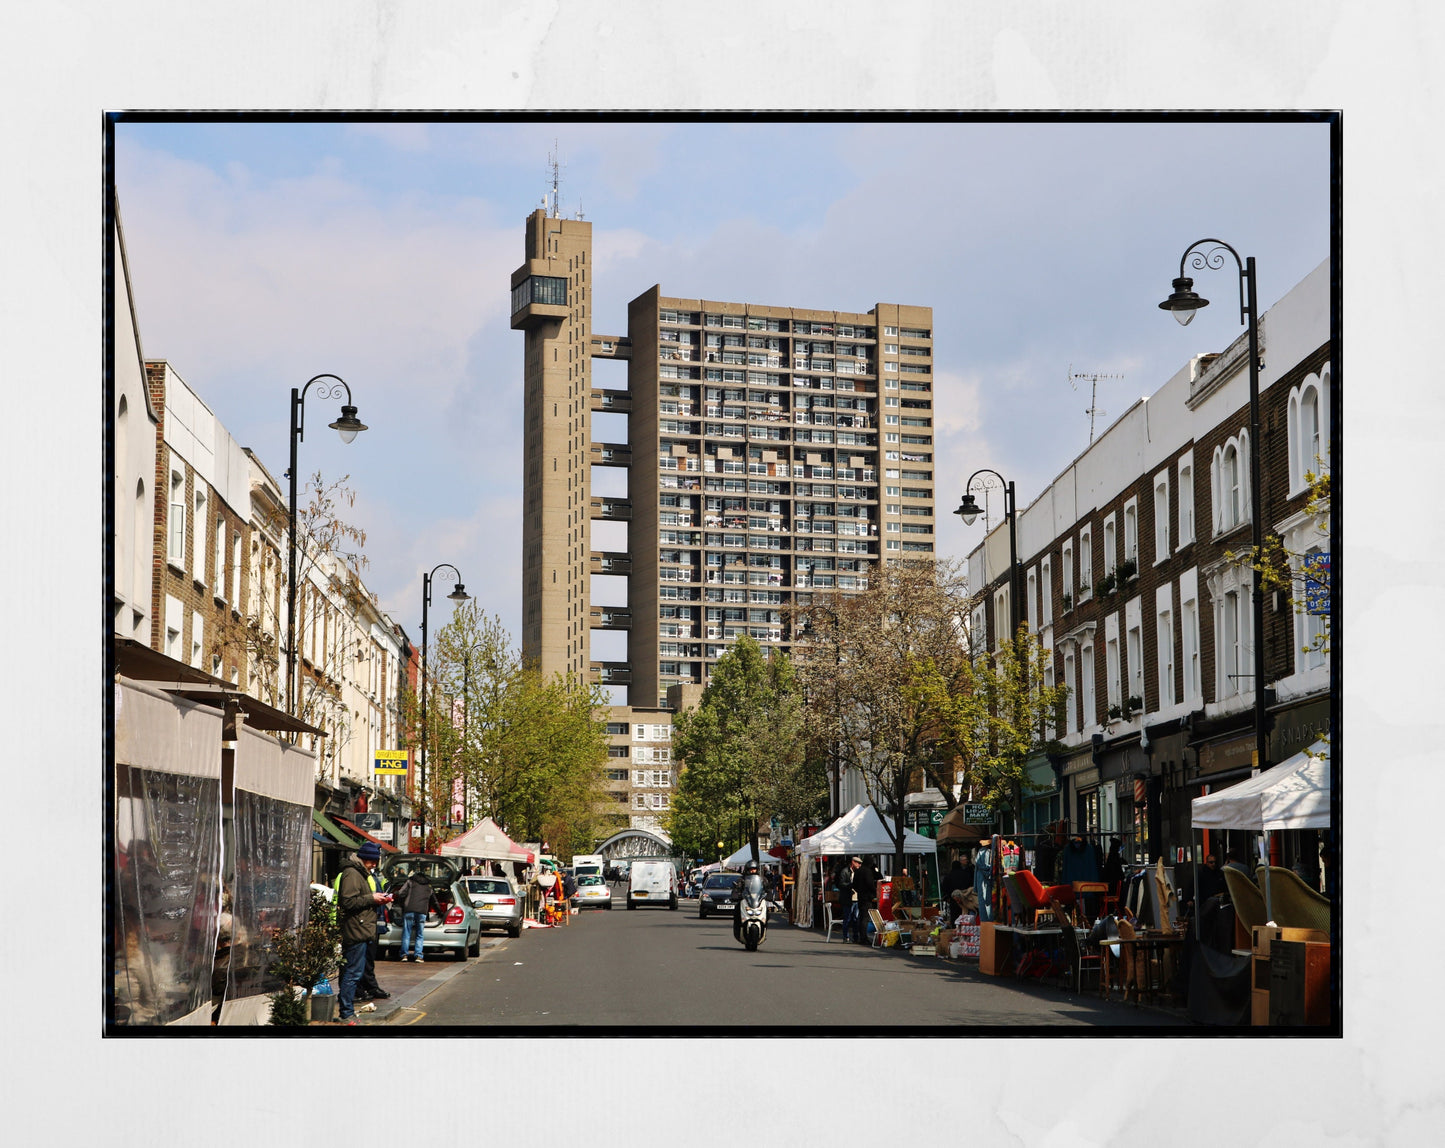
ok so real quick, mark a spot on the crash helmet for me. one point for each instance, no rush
(750, 867)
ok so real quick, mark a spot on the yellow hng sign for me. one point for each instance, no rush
(390, 761)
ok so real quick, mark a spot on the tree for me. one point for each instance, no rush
(859, 666)
(742, 747)
(994, 712)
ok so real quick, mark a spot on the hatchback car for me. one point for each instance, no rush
(452, 926)
(592, 891)
(497, 904)
(716, 894)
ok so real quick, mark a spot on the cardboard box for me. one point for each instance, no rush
(940, 946)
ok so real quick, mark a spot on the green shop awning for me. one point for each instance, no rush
(334, 831)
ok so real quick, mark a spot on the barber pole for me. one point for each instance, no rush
(1140, 790)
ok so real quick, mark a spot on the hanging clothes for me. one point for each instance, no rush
(1080, 862)
(983, 882)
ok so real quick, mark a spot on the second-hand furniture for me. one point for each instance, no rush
(830, 921)
(1291, 903)
(1248, 904)
(1077, 959)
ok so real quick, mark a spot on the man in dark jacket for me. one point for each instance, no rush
(356, 904)
(417, 897)
(865, 889)
(957, 879)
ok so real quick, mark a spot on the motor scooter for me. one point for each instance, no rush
(751, 926)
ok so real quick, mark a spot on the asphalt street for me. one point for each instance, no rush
(657, 969)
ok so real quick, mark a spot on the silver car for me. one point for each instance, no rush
(497, 903)
(453, 927)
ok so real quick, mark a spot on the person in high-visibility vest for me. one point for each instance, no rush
(367, 989)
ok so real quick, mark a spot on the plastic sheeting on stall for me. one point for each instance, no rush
(271, 833)
(167, 865)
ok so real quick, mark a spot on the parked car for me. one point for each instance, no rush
(592, 890)
(452, 927)
(497, 903)
(716, 894)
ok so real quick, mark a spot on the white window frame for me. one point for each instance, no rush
(1229, 483)
(1161, 517)
(1031, 602)
(1046, 588)
(199, 524)
(1192, 678)
(175, 621)
(1111, 545)
(1164, 643)
(1071, 721)
(1086, 563)
(1001, 613)
(176, 525)
(1113, 665)
(1087, 700)
(1066, 572)
(1131, 531)
(1308, 447)
(219, 575)
(1186, 501)
(198, 640)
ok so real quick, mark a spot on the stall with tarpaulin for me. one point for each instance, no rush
(860, 830)
(486, 841)
(205, 808)
(1295, 794)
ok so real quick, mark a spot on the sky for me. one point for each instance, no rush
(264, 253)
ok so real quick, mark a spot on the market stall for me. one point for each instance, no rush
(745, 854)
(485, 841)
(859, 831)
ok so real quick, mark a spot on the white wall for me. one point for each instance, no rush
(133, 540)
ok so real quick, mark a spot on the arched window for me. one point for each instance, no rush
(1307, 429)
(1229, 480)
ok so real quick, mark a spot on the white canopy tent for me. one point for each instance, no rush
(487, 842)
(1295, 794)
(861, 831)
(745, 854)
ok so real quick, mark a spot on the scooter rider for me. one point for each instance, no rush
(752, 882)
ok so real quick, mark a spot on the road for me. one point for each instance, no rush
(652, 968)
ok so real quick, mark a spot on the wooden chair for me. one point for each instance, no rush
(878, 927)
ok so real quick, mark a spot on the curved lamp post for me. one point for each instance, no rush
(1183, 302)
(459, 594)
(348, 426)
(969, 509)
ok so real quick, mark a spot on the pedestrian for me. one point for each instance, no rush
(356, 905)
(369, 989)
(865, 889)
(843, 907)
(569, 890)
(417, 898)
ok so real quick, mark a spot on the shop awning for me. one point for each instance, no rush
(350, 828)
(338, 835)
(954, 829)
(1294, 794)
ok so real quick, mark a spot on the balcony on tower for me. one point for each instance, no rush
(610, 454)
(612, 509)
(611, 562)
(610, 618)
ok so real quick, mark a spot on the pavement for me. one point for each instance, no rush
(410, 982)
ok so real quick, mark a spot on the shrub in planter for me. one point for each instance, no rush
(1068, 600)
(300, 957)
(1133, 704)
(1115, 713)
(1106, 584)
(1127, 569)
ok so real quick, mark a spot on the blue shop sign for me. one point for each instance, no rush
(1317, 592)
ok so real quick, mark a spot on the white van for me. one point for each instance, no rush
(652, 882)
(588, 865)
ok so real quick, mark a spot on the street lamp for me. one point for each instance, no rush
(348, 426)
(969, 509)
(1183, 302)
(459, 594)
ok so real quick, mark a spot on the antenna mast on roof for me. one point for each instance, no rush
(1093, 407)
(555, 209)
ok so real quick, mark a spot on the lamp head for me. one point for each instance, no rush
(1183, 301)
(967, 510)
(459, 594)
(348, 426)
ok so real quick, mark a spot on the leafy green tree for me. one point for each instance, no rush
(743, 747)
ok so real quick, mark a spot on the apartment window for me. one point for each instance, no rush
(176, 532)
(1066, 570)
(1111, 671)
(1306, 430)
(1086, 684)
(1001, 626)
(1032, 601)
(198, 635)
(1046, 571)
(1071, 720)
(1164, 629)
(1131, 531)
(1135, 640)
(1086, 563)
(1161, 516)
(1111, 555)
(236, 570)
(198, 543)
(1230, 640)
(891, 332)
(173, 628)
(1186, 501)
(1229, 482)
(218, 573)
(1189, 617)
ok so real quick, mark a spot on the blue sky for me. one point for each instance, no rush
(264, 253)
